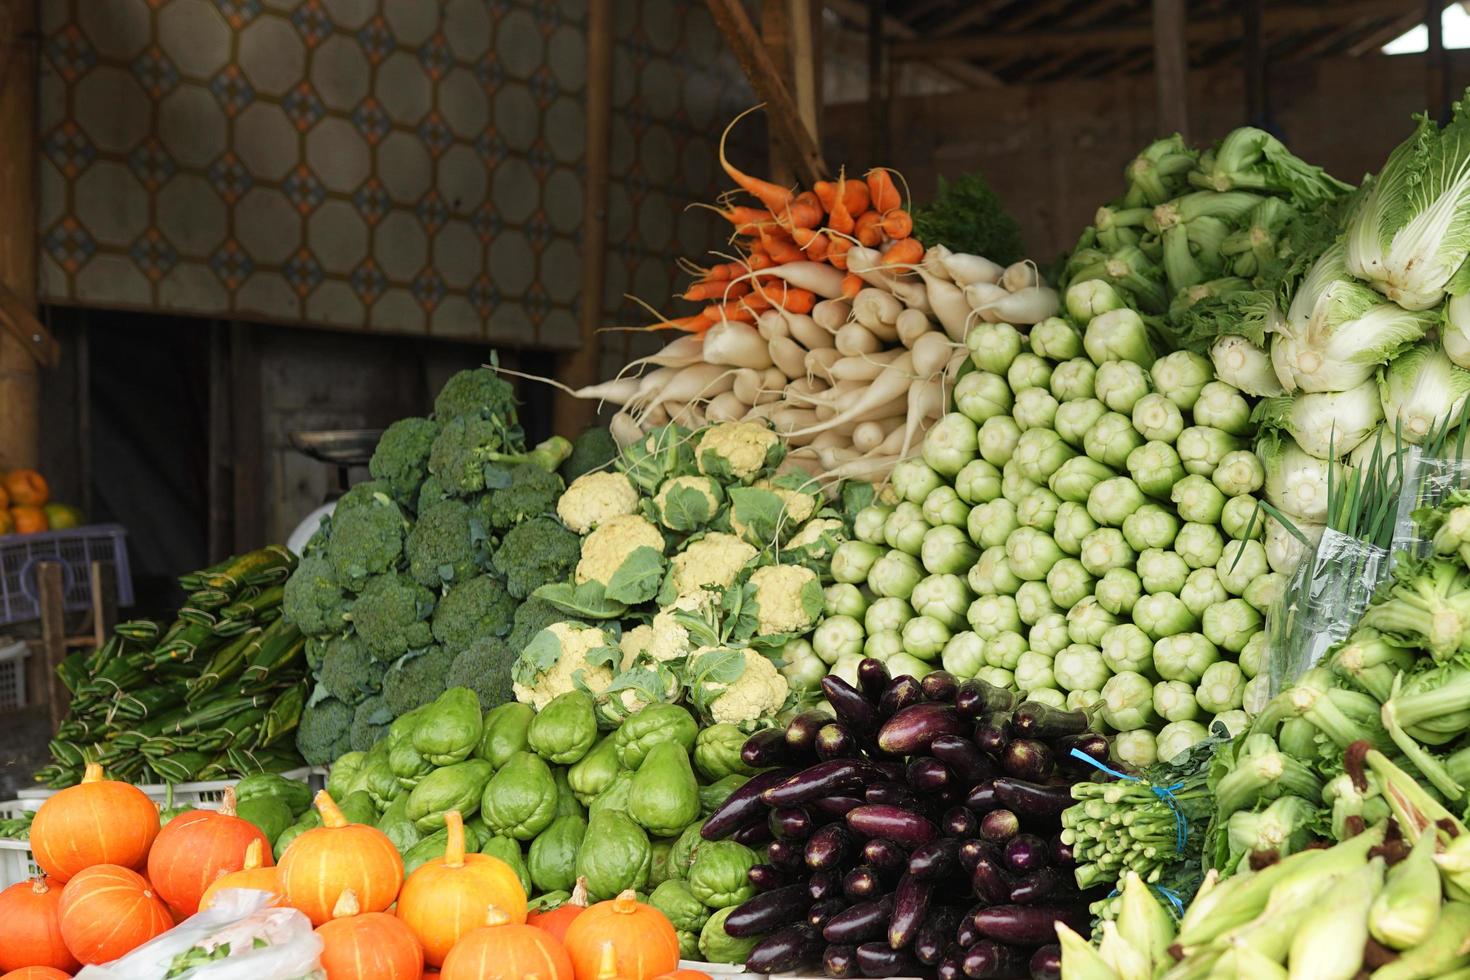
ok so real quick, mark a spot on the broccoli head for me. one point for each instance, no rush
(475, 607)
(447, 545)
(477, 393)
(531, 491)
(316, 652)
(535, 553)
(484, 667)
(370, 721)
(313, 599)
(401, 459)
(325, 729)
(415, 679)
(462, 450)
(533, 616)
(430, 493)
(348, 672)
(594, 449)
(392, 616)
(366, 541)
(363, 494)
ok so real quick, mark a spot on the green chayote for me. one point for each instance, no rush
(309, 820)
(720, 874)
(380, 783)
(402, 727)
(688, 944)
(454, 787)
(567, 804)
(434, 846)
(717, 752)
(681, 853)
(508, 850)
(615, 856)
(450, 730)
(679, 906)
(565, 729)
(663, 795)
(293, 793)
(358, 807)
(658, 869)
(711, 796)
(718, 946)
(395, 823)
(344, 776)
(553, 858)
(407, 764)
(596, 770)
(547, 901)
(520, 799)
(504, 732)
(615, 797)
(654, 724)
(270, 815)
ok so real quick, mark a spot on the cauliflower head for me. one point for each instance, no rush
(788, 598)
(563, 657)
(634, 644)
(605, 549)
(688, 503)
(715, 559)
(594, 498)
(799, 506)
(738, 451)
(819, 537)
(759, 692)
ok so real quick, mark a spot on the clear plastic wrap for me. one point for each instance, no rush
(237, 920)
(1428, 480)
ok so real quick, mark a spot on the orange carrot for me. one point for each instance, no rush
(905, 251)
(716, 312)
(852, 284)
(774, 197)
(855, 196)
(837, 252)
(867, 229)
(826, 192)
(779, 246)
(884, 194)
(805, 211)
(689, 324)
(715, 289)
(898, 224)
(799, 300)
(759, 259)
(812, 242)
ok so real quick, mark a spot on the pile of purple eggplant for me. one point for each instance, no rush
(916, 833)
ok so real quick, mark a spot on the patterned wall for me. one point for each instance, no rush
(403, 166)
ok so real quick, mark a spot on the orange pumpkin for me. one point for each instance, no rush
(30, 933)
(26, 488)
(447, 897)
(369, 946)
(29, 520)
(683, 975)
(250, 875)
(36, 973)
(555, 921)
(99, 821)
(336, 857)
(107, 911)
(642, 939)
(505, 950)
(195, 848)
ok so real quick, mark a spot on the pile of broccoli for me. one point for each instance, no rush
(416, 581)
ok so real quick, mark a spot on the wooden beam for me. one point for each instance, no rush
(775, 28)
(52, 592)
(1436, 68)
(781, 112)
(806, 64)
(1171, 68)
(578, 368)
(1370, 44)
(855, 12)
(17, 317)
(1253, 61)
(20, 381)
(1275, 20)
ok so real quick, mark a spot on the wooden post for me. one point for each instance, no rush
(104, 601)
(806, 64)
(1436, 80)
(877, 90)
(20, 383)
(1171, 67)
(776, 36)
(1257, 108)
(53, 638)
(579, 368)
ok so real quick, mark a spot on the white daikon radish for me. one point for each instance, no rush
(910, 290)
(625, 430)
(831, 314)
(655, 415)
(726, 407)
(772, 382)
(819, 362)
(949, 305)
(932, 353)
(747, 385)
(789, 356)
(855, 340)
(871, 307)
(772, 324)
(966, 269)
(892, 383)
(933, 263)
(791, 419)
(736, 344)
(981, 295)
(817, 277)
(1029, 305)
(912, 324)
(864, 367)
(865, 263)
(1020, 275)
(806, 331)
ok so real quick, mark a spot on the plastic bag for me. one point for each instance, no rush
(1323, 599)
(238, 918)
(1428, 480)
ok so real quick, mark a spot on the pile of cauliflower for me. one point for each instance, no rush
(703, 568)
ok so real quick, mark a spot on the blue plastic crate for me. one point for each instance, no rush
(75, 549)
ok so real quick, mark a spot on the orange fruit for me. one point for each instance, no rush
(27, 488)
(59, 516)
(7, 524)
(28, 520)
(4, 496)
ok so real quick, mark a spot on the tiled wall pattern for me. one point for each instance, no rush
(402, 166)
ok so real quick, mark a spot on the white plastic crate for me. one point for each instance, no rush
(186, 794)
(13, 658)
(16, 861)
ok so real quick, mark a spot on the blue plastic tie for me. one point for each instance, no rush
(1165, 793)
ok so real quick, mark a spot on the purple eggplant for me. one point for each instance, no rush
(1032, 799)
(966, 935)
(935, 859)
(829, 847)
(950, 967)
(835, 741)
(1026, 758)
(880, 960)
(959, 821)
(1037, 886)
(1032, 719)
(824, 884)
(861, 922)
(753, 834)
(743, 805)
(975, 698)
(971, 851)
(998, 826)
(767, 748)
(1061, 853)
(1029, 925)
(1046, 963)
(1090, 744)
(831, 778)
(862, 883)
(911, 730)
(836, 806)
(910, 908)
(901, 692)
(988, 958)
(982, 798)
(936, 935)
(885, 856)
(801, 730)
(769, 911)
(993, 733)
(990, 882)
(963, 757)
(890, 794)
(903, 827)
(928, 775)
(791, 823)
(853, 708)
(821, 912)
(1026, 852)
(873, 678)
(787, 855)
(767, 877)
(786, 951)
(939, 685)
(892, 769)
(840, 960)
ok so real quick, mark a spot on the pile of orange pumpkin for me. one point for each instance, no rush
(26, 506)
(114, 880)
